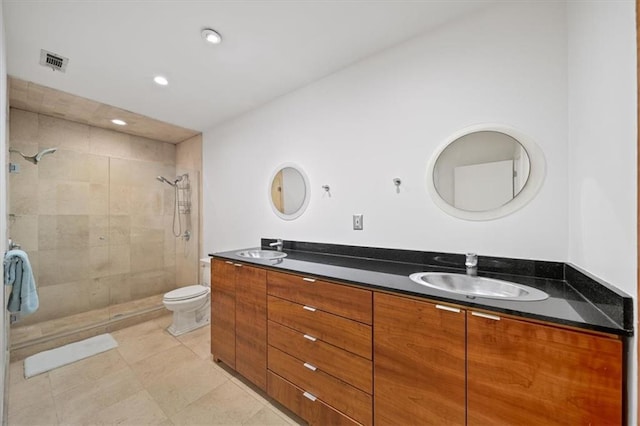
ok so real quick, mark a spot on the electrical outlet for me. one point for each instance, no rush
(357, 222)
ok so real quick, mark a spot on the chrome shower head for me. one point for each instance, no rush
(44, 152)
(165, 180)
(35, 159)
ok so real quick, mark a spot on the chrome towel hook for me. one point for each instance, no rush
(397, 182)
(13, 245)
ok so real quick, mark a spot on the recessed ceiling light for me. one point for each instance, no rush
(119, 122)
(211, 36)
(161, 80)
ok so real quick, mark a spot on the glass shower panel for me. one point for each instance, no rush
(188, 244)
(141, 247)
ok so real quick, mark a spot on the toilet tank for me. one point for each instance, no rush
(205, 271)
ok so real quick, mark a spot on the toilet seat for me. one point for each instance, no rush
(184, 293)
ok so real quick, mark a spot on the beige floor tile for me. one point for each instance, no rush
(199, 341)
(164, 321)
(91, 398)
(164, 363)
(288, 415)
(225, 369)
(151, 378)
(23, 392)
(202, 349)
(16, 373)
(197, 335)
(86, 371)
(251, 389)
(41, 411)
(138, 409)
(266, 417)
(152, 343)
(225, 405)
(180, 388)
(65, 378)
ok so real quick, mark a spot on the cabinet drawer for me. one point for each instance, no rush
(345, 398)
(314, 412)
(348, 302)
(346, 366)
(350, 335)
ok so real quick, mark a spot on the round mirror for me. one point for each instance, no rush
(485, 172)
(289, 192)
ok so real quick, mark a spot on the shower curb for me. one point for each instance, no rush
(29, 347)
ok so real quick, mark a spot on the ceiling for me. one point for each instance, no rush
(29, 96)
(269, 48)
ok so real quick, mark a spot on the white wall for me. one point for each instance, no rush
(3, 203)
(602, 140)
(602, 148)
(383, 118)
(563, 75)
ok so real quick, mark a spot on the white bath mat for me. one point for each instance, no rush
(54, 358)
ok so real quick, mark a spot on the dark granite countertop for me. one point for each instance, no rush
(612, 312)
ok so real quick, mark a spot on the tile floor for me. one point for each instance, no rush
(152, 378)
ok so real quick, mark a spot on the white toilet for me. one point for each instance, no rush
(191, 305)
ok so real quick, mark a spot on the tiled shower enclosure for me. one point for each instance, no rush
(93, 218)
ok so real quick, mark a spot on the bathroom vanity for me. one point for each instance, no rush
(341, 335)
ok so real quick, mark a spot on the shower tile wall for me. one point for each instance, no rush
(92, 217)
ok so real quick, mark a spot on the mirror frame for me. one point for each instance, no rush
(307, 196)
(537, 173)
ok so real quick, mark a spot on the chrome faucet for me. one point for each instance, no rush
(277, 244)
(471, 263)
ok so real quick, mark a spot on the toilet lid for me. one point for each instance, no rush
(186, 292)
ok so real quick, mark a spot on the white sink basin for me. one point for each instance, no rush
(262, 254)
(470, 285)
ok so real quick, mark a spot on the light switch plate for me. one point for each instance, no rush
(357, 222)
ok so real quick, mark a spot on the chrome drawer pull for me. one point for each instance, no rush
(309, 308)
(237, 264)
(487, 316)
(313, 339)
(309, 280)
(448, 308)
(228, 262)
(310, 367)
(309, 396)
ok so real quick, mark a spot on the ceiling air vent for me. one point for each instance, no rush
(53, 60)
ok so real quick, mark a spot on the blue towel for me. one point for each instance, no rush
(18, 273)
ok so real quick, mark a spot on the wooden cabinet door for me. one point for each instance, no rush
(419, 362)
(223, 312)
(251, 324)
(521, 373)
